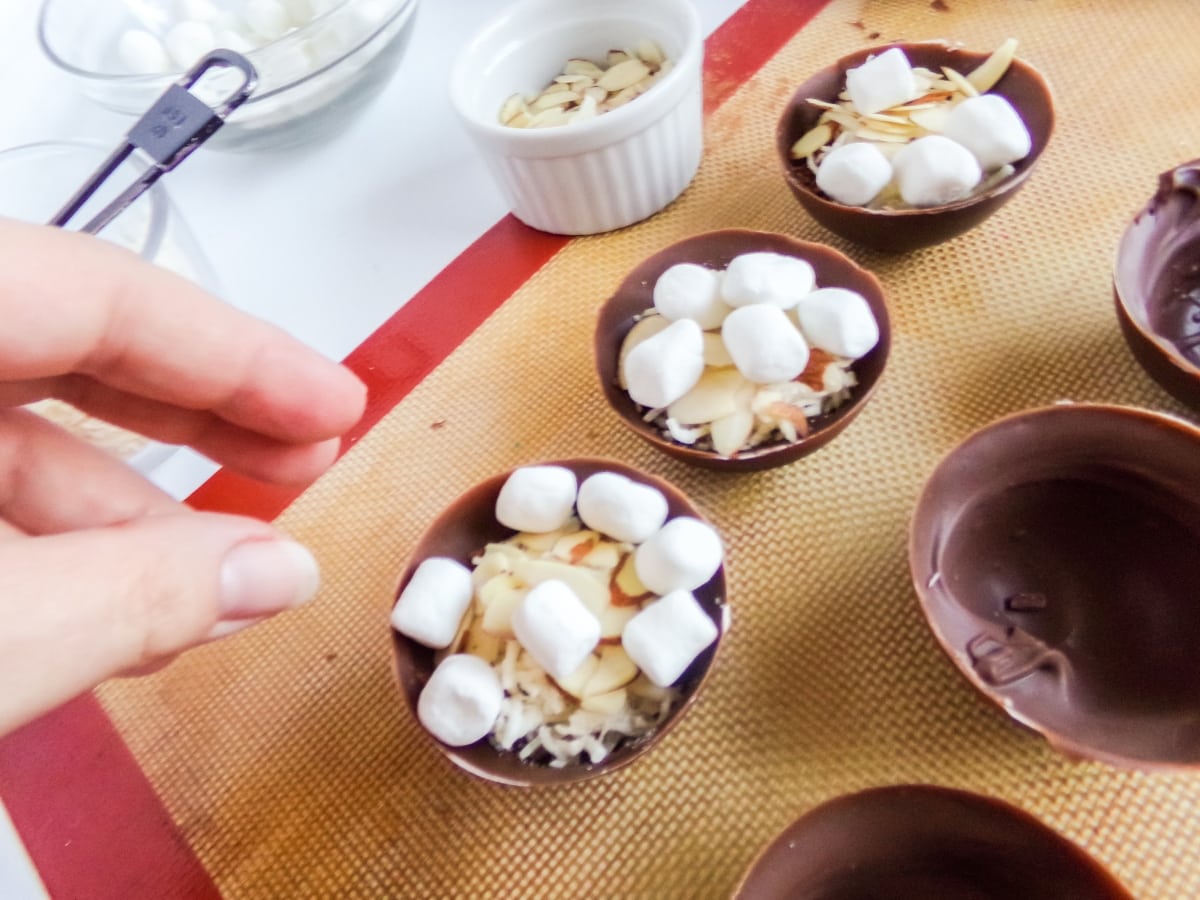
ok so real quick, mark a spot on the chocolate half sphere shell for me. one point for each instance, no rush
(715, 249)
(918, 842)
(1055, 557)
(1156, 284)
(902, 230)
(460, 533)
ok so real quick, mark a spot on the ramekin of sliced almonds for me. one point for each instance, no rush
(587, 88)
(906, 145)
(530, 629)
(742, 350)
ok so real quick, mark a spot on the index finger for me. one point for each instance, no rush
(74, 304)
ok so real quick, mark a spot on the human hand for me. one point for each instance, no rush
(100, 571)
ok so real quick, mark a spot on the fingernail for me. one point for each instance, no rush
(263, 577)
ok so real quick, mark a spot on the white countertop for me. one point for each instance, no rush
(326, 240)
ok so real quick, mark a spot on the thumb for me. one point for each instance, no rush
(78, 607)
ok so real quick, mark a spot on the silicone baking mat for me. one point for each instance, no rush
(283, 763)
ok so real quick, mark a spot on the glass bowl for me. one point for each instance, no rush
(35, 181)
(313, 79)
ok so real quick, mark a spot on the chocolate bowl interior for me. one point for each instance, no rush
(1156, 284)
(908, 229)
(715, 249)
(915, 842)
(460, 533)
(1054, 555)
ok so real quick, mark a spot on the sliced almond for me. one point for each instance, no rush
(718, 393)
(608, 704)
(626, 588)
(614, 670)
(812, 140)
(960, 82)
(582, 67)
(650, 53)
(984, 76)
(731, 433)
(623, 75)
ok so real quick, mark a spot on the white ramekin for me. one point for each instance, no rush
(610, 171)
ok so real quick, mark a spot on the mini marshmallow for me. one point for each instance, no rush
(934, 170)
(620, 507)
(764, 344)
(882, 81)
(267, 18)
(765, 277)
(991, 128)
(554, 626)
(667, 365)
(682, 555)
(854, 173)
(143, 53)
(432, 604)
(187, 41)
(667, 635)
(691, 291)
(537, 498)
(198, 10)
(461, 701)
(839, 321)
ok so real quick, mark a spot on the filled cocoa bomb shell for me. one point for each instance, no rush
(901, 230)
(460, 533)
(916, 842)
(715, 249)
(1054, 555)
(1156, 284)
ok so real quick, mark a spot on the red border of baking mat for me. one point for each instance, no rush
(90, 820)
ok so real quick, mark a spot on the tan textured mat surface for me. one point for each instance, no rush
(286, 755)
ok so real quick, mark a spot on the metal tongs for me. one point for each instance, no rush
(177, 123)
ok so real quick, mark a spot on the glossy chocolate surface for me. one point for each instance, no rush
(908, 229)
(1156, 284)
(715, 249)
(918, 842)
(1054, 553)
(460, 533)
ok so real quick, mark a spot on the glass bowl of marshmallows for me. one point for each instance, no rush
(556, 621)
(742, 350)
(908, 145)
(319, 62)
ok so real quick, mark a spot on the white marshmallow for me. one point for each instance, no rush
(854, 173)
(461, 701)
(537, 498)
(552, 623)
(934, 170)
(432, 604)
(187, 41)
(300, 12)
(667, 635)
(198, 10)
(839, 321)
(143, 53)
(991, 128)
(620, 507)
(882, 81)
(268, 18)
(691, 291)
(765, 277)
(682, 555)
(766, 347)
(665, 366)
